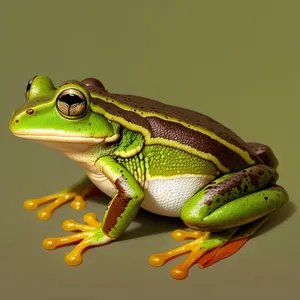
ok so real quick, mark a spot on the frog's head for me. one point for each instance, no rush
(60, 115)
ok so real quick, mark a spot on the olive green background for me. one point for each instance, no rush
(237, 61)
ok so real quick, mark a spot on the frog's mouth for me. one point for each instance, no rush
(62, 138)
(67, 144)
(59, 136)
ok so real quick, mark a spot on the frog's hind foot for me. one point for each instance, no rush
(207, 248)
(202, 243)
(213, 256)
(76, 193)
(90, 234)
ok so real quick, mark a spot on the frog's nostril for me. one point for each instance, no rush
(17, 120)
(29, 111)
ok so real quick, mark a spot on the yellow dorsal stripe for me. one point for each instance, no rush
(154, 141)
(149, 140)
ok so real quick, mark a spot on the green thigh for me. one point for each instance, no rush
(235, 199)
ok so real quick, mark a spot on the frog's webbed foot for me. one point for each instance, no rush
(90, 234)
(76, 193)
(202, 243)
(206, 248)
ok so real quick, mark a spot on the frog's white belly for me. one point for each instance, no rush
(167, 196)
(162, 196)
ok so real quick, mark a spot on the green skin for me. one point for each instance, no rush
(235, 201)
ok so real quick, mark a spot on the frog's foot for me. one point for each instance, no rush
(202, 243)
(206, 248)
(213, 256)
(91, 235)
(76, 193)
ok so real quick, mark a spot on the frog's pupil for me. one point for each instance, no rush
(71, 99)
(71, 104)
(28, 86)
(29, 83)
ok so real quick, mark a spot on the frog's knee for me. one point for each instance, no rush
(194, 218)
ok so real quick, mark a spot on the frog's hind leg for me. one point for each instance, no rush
(220, 213)
(76, 193)
(267, 156)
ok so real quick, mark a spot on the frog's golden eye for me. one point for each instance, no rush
(71, 103)
(27, 88)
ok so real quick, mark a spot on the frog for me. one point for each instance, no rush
(145, 154)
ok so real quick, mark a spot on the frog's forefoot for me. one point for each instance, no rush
(200, 250)
(91, 235)
(76, 193)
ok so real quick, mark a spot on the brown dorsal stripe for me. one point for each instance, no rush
(119, 112)
(197, 140)
(194, 118)
(177, 132)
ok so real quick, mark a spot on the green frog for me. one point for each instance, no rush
(142, 153)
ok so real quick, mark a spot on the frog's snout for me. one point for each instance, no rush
(14, 120)
(15, 117)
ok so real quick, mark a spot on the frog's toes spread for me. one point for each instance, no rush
(91, 235)
(207, 248)
(56, 200)
(76, 193)
(202, 243)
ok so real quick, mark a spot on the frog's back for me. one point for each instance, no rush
(176, 126)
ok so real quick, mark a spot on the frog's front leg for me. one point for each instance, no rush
(230, 209)
(120, 212)
(77, 193)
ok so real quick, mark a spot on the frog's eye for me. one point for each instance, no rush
(71, 103)
(27, 87)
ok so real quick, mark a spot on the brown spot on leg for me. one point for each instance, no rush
(255, 178)
(117, 206)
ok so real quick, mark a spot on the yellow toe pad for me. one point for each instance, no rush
(86, 236)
